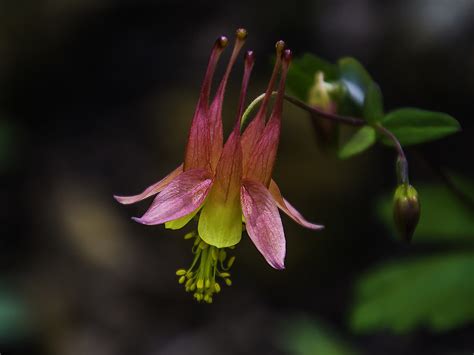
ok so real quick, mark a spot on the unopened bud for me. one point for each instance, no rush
(319, 93)
(327, 131)
(406, 210)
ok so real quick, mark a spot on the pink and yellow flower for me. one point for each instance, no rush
(226, 186)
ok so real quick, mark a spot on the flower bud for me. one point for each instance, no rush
(406, 210)
(327, 132)
(319, 93)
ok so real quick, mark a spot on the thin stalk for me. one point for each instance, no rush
(251, 107)
(352, 121)
(402, 163)
(394, 139)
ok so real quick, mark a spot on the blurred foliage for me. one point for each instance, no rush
(435, 291)
(303, 336)
(414, 126)
(356, 94)
(14, 322)
(302, 73)
(364, 138)
(373, 104)
(355, 79)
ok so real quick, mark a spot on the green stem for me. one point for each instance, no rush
(351, 121)
(402, 163)
(250, 108)
(392, 137)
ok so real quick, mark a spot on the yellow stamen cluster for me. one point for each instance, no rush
(209, 264)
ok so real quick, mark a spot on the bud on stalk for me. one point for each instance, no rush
(327, 132)
(406, 210)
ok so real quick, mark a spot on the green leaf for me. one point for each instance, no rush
(373, 104)
(413, 126)
(443, 216)
(310, 63)
(355, 78)
(304, 336)
(435, 291)
(302, 71)
(299, 82)
(363, 139)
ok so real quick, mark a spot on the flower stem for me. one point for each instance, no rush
(352, 121)
(392, 137)
(251, 106)
(402, 163)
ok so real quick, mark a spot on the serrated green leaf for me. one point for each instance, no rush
(373, 104)
(363, 139)
(301, 74)
(443, 216)
(414, 126)
(355, 78)
(434, 292)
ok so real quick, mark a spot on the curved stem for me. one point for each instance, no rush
(251, 106)
(402, 163)
(392, 137)
(352, 121)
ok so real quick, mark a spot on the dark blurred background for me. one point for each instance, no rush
(96, 98)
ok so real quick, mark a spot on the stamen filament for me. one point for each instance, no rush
(200, 278)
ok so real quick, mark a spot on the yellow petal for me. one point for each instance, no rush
(220, 222)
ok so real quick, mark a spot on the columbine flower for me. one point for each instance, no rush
(226, 186)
